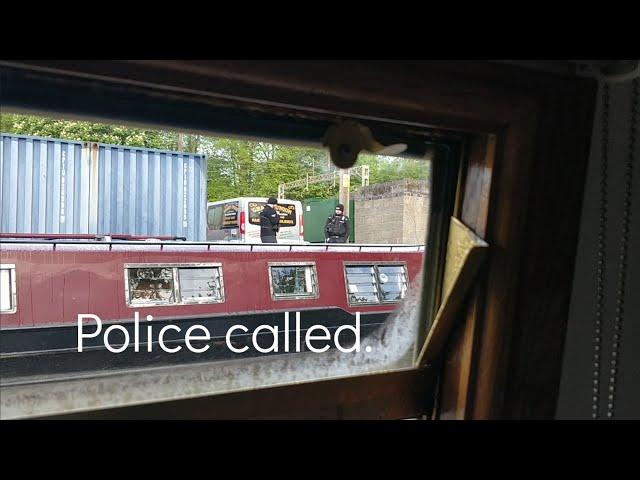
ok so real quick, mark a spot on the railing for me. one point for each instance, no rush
(361, 172)
(125, 242)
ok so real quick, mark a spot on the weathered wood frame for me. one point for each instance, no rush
(521, 190)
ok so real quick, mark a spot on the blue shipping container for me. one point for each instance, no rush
(60, 186)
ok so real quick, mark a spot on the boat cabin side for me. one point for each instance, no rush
(48, 284)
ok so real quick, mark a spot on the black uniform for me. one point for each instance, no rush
(336, 229)
(269, 224)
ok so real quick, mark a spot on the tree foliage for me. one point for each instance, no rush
(235, 167)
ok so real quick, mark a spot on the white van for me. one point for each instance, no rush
(238, 220)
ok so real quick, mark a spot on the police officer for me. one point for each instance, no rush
(269, 222)
(336, 229)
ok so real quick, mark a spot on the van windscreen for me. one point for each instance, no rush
(287, 212)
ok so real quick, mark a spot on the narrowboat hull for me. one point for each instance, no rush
(56, 281)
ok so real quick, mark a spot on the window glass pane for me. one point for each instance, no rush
(229, 214)
(390, 295)
(361, 282)
(150, 285)
(361, 288)
(361, 278)
(215, 217)
(254, 212)
(391, 269)
(391, 288)
(287, 212)
(363, 297)
(293, 280)
(211, 213)
(367, 269)
(5, 290)
(393, 282)
(200, 284)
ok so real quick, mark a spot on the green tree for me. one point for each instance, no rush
(84, 131)
(235, 167)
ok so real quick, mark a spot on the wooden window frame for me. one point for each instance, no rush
(521, 189)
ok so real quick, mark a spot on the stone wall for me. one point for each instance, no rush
(393, 212)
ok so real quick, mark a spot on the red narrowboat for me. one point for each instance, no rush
(144, 285)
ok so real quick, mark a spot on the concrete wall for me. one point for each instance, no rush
(394, 212)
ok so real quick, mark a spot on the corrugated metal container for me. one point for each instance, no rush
(150, 192)
(59, 186)
(44, 185)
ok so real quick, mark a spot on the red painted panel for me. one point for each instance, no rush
(47, 291)
(55, 286)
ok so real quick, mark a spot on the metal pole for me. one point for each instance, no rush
(343, 192)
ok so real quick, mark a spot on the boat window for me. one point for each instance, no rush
(150, 286)
(7, 288)
(293, 281)
(362, 285)
(200, 285)
(175, 284)
(393, 282)
(376, 283)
